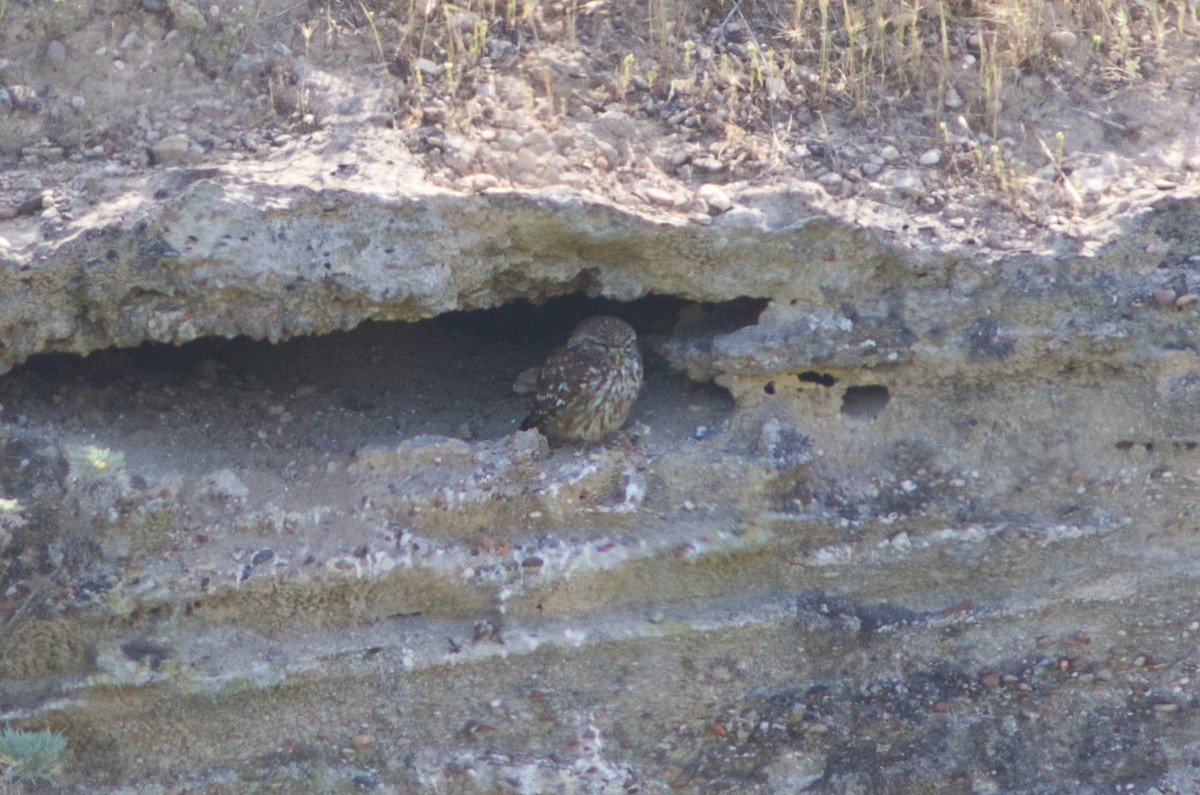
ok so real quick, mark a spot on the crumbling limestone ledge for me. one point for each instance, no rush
(943, 532)
(212, 254)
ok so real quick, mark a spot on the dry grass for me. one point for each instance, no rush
(847, 54)
(768, 67)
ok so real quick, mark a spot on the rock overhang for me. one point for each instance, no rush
(217, 254)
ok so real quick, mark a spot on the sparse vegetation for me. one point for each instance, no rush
(33, 756)
(91, 464)
(856, 58)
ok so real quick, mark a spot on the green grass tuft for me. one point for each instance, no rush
(33, 756)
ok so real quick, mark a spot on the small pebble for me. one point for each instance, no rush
(930, 158)
(830, 179)
(907, 181)
(661, 197)
(889, 153)
(714, 197)
(475, 183)
(173, 148)
(1062, 41)
(365, 781)
(249, 63)
(1164, 295)
(1186, 300)
(23, 98)
(129, 39)
(953, 100)
(78, 103)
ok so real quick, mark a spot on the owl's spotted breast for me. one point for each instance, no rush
(586, 389)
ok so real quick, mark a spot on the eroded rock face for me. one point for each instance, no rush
(906, 518)
(217, 255)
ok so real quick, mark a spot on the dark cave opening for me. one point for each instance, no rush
(451, 375)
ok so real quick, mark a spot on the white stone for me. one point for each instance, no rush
(907, 182)
(930, 158)
(475, 183)
(173, 149)
(660, 197)
(428, 67)
(714, 197)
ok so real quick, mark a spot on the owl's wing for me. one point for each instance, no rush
(559, 382)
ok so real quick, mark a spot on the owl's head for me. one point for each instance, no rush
(605, 333)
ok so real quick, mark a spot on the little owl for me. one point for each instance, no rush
(587, 387)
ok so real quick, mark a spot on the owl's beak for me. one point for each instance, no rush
(615, 355)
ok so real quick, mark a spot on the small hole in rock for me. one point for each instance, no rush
(769, 388)
(813, 377)
(865, 402)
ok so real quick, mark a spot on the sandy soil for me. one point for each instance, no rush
(593, 98)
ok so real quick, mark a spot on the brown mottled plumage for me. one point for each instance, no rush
(587, 387)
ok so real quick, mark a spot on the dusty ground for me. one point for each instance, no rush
(644, 104)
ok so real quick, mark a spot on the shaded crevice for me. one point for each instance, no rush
(865, 402)
(450, 375)
(812, 377)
